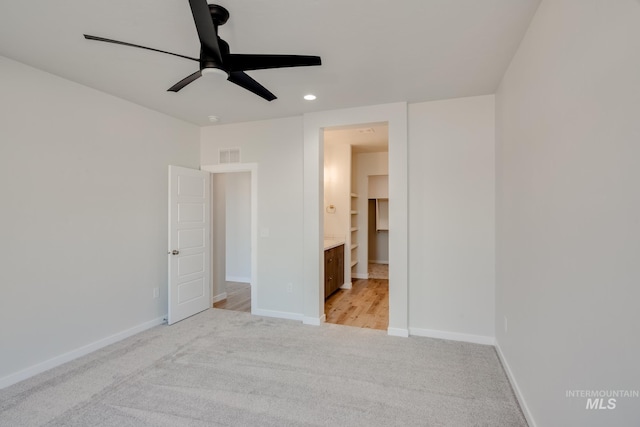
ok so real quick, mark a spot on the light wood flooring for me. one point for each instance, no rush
(238, 297)
(365, 305)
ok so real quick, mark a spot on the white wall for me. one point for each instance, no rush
(337, 192)
(276, 145)
(568, 209)
(451, 218)
(451, 239)
(83, 224)
(238, 226)
(337, 189)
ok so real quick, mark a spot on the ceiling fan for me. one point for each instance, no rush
(215, 57)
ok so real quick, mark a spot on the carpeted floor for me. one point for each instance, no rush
(229, 368)
(378, 271)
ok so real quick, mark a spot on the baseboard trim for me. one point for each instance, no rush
(220, 297)
(314, 321)
(377, 261)
(74, 354)
(453, 336)
(360, 276)
(277, 314)
(347, 286)
(398, 332)
(514, 385)
(238, 279)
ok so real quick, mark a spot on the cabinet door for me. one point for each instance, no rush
(329, 276)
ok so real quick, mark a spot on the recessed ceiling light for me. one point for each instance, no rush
(214, 119)
(310, 97)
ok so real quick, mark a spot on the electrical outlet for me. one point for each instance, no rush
(290, 287)
(505, 324)
(156, 292)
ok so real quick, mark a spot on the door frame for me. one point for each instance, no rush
(314, 123)
(252, 168)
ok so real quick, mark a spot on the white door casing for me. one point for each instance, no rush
(189, 248)
(252, 168)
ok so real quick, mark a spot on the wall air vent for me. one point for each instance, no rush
(228, 155)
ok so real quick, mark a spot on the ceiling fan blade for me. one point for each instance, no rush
(182, 83)
(102, 39)
(241, 62)
(243, 80)
(205, 27)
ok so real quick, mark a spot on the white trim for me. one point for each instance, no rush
(239, 279)
(453, 336)
(347, 286)
(79, 352)
(277, 314)
(314, 321)
(398, 332)
(395, 115)
(377, 261)
(252, 168)
(514, 384)
(360, 275)
(219, 297)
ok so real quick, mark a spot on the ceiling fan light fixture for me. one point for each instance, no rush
(210, 71)
(310, 97)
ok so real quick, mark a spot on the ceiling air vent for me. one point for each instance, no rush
(229, 155)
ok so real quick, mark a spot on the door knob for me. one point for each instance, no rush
(175, 252)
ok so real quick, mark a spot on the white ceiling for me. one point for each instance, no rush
(373, 51)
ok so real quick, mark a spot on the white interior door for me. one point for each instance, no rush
(189, 242)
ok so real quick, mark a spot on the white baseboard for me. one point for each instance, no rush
(453, 336)
(378, 261)
(79, 352)
(360, 275)
(220, 297)
(314, 321)
(347, 286)
(277, 314)
(238, 279)
(514, 385)
(398, 332)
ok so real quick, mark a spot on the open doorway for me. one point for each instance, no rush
(356, 167)
(234, 236)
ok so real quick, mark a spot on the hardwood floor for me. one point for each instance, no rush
(238, 297)
(365, 305)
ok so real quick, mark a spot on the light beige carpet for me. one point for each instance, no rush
(378, 271)
(230, 368)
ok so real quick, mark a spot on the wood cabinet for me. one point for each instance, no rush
(333, 270)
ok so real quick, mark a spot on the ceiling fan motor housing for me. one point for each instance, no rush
(219, 14)
(207, 58)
